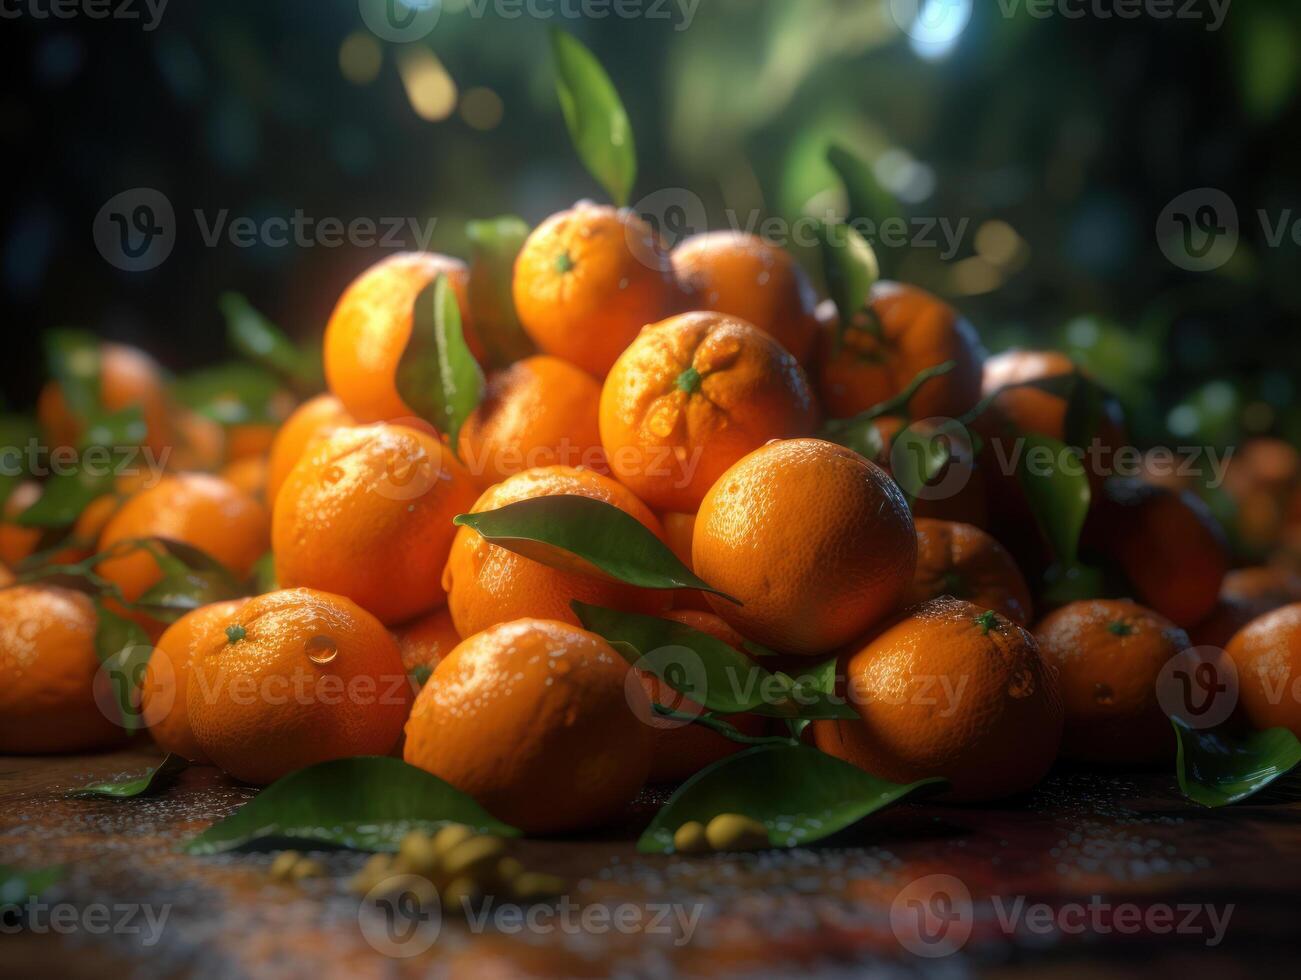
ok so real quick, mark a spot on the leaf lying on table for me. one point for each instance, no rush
(580, 534)
(159, 777)
(800, 794)
(1216, 768)
(367, 803)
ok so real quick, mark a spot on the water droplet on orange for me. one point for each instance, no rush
(321, 649)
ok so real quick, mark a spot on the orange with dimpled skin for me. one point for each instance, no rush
(293, 678)
(367, 513)
(691, 396)
(535, 719)
(963, 561)
(425, 641)
(1267, 655)
(587, 280)
(315, 418)
(814, 540)
(744, 276)
(369, 329)
(953, 690)
(48, 674)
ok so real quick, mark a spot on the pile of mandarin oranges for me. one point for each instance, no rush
(699, 390)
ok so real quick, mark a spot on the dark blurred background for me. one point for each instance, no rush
(1041, 160)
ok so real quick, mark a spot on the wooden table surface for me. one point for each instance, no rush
(1093, 875)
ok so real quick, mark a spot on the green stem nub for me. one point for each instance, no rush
(1120, 628)
(235, 633)
(689, 380)
(987, 621)
(564, 263)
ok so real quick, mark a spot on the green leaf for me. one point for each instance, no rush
(68, 492)
(849, 266)
(868, 200)
(123, 650)
(191, 578)
(1216, 767)
(367, 803)
(17, 886)
(438, 376)
(598, 124)
(231, 393)
(585, 535)
(918, 457)
(158, 778)
(797, 792)
(262, 342)
(695, 664)
(1057, 490)
(73, 360)
(494, 244)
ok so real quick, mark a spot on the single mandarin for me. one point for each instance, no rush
(951, 690)
(587, 280)
(742, 275)
(248, 473)
(679, 529)
(128, 377)
(1109, 654)
(371, 324)
(535, 719)
(49, 672)
(296, 677)
(541, 411)
(196, 509)
(1267, 655)
(901, 332)
(486, 584)
(964, 562)
(691, 396)
(367, 513)
(165, 688)
(814, 541)
(424, 641)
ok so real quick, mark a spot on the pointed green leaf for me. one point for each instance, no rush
(849, 266)
(595, 116)
(869, 202)
(1058, 492)
(438, 376)
(800, 794)
(231, 393)
(367, 803)
(585, 535)
(494, 244)
(1217, 767)
(262, 342)
(154, 780)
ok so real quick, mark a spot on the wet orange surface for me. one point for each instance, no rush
(1094, 874)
